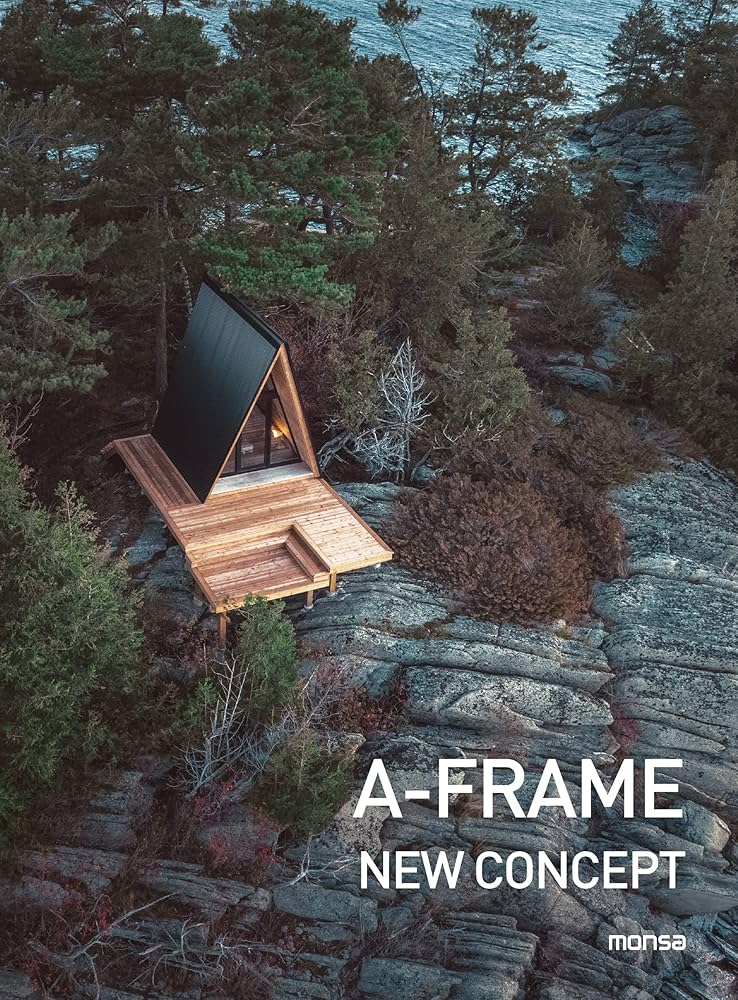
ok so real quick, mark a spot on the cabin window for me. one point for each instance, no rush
(266, 440)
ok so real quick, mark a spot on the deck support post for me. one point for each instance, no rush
(308, 600)
(222, 627)
(332, 580)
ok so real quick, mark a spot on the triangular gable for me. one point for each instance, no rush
(227, 356)
(274, 433)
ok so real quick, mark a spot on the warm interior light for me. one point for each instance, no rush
(276, 433)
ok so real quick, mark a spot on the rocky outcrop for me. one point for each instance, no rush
(159, 567)
(313, 902)
(673, 631)
(239, 833)
(641, 680)
(652, 675)
(650, 148)
(590, 369)
(399, 979)
(210, 897)
(16, 986)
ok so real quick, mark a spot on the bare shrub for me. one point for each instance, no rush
(586, 512)
(232, 741)
(348, 707)
(382, 444)
(571, 466)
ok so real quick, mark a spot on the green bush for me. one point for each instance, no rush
(267, 651)
(69, 639)
(682, 348)
(479, 385)
(581, 268)
(303, 786)
(191, 718)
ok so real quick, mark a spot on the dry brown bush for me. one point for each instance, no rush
(521, 525)
(502, 548)
(601, 444)
(586, 512)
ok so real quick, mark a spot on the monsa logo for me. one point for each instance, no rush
(642, 942)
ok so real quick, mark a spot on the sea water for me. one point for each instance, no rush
(576, 35)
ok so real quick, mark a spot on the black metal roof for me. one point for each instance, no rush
(227, 351)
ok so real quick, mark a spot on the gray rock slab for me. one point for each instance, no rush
(94, 869)
(313, 902)
(697, 891)
(152, 542)
(401, 979)
(188, 884)
(16, 986)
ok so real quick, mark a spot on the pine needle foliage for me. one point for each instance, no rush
(47, 341)
(70, 642)
(685, 343)
(266, 650)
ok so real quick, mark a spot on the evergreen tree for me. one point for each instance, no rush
(155, 179)
(605, 201)
(38, 163)
(705, 32)
(118, 135)
(296, 154)
(151, 174)
(431, 244)
(686, 341)
(398, 15)
(47, 339)
(506, 111)
(480, 387)
(581, 266)
(636, 57)
(549, 206)
(69, 640)
(717, 108)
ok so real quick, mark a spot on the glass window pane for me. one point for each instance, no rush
(283, 448)
(252, 441)
(230, 467)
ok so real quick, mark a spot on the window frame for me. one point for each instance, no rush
(267, 397)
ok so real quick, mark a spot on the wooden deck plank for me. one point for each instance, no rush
(235, 542)
(157, 476)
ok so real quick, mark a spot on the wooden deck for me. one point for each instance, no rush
(275, 539)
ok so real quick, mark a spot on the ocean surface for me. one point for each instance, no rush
(576, 35)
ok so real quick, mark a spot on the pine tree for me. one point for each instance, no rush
(581, 266)
(705, 32)
(717, 108)
(687, 340)
(480, 387)
(605, 202)
(431, 242)
(295, 153)
(112, 81)
(636, 57)
(506, 111)
(153, 176)
(37, 165)
(398, 15)
(48, 342)
(70, 643)
(696, 23)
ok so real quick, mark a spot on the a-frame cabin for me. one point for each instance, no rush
(231, 468)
